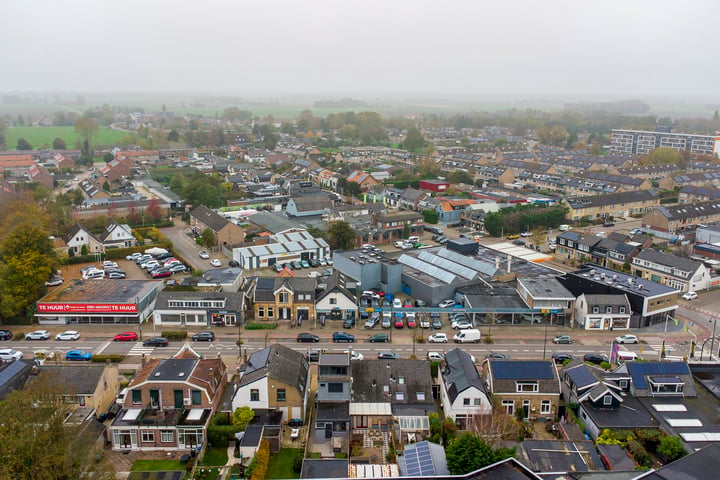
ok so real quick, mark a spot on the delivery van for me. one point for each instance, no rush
(413, 239)
(471, 335)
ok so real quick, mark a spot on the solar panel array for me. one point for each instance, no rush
(581, 376)
(482, 267)
(427, 268)
(638, 371)
(522, 369)
(10, 370)
(445, 264)
(418, 460)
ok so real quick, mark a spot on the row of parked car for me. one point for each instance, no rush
(300, 264)
(163, 265)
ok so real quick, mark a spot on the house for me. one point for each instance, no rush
(335, 301)
(332, 423)
(681, 273)
(603, 312)
(225, 231)
(434, 185)
(13, 376)
(169, 404)
(530, 385)
(78, 236)
(117, 235)
(576, 246)
(198, 309)
(611, 205)
(275, 378)
(463, 394)
(309, 205)
(677, 221)
(282, 298)
(94, 387)
(410, 198)
(392, 225)
(449, 210)
(549, 296)
(364, 180)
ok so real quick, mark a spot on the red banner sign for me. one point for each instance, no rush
(87, 308)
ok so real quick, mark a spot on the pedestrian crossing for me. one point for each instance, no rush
(139, 350)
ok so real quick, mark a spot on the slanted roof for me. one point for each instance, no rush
(211, 219)
(460, 374)
(277, 362)
(80, 380)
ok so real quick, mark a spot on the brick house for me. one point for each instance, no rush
(530, 385)
(226, 232)
(283, 298)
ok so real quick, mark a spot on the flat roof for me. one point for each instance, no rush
(622, 281)
(101, 291)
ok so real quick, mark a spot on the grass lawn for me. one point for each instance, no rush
(281, 463)
(44, 136)
(155, 465)
(215, 456)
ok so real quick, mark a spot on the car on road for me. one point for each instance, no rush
(497, 356)
(446, 303)
(686, 295)
(216, 262)
(38, 335)
(68, 335)
(156, 342)
(561, 358)
(627, 338)
(204, 255)
(519, 242)
(379, 338)
(595, 358)
(438, 338)
(461, 324)
(609, 224)
(125, 337)
(435, 356)
(80, 355)
(5, 335)
(343, 337)
(203, 337)
(10, 354)
(388, 355)
(525, 234)
(637, 231)
(513, 236)
(562, 339)
(307, 337)
(54, 282)
(354, 355)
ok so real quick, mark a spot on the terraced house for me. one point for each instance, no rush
(276, 298)
(611, 205)
(684, 274)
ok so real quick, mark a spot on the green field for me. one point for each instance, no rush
(40, 137)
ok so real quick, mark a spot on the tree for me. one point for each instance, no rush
(671, 448)
(153, 210)
(173, 136)
(177, 182)
(340, 236)
(207, 238)
(23, 144)
(468, 453)
(430, 216)
(88, 129)
(59, 144)
(108, 157)
(242, 416)
(414, 140)
(203, 190)
(663, 156)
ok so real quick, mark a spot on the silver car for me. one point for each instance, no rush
(38, 335)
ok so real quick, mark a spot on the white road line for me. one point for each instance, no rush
(102, 347)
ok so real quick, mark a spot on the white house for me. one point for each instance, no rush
(79, 236)
(462, 389)
(335, 301)
(117, 235)
(603, 312)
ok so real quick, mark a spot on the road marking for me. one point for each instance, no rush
(102, 347)
(138, 349)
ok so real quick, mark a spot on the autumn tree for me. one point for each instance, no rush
(153, 210)
(242, 416)
(340, 236)
(662, 156)
(59, 144)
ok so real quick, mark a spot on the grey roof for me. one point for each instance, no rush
(620, 281)
(333, 411)
(341, 359)
(670, 260)
(335, 283)
(324, 468)
(280, 363)
(618, 300)
(273, 223)
(608, 199)
(173, 369)
(460, 374)
(560, 456)
(631, 415)
(691, 212)
(546, 288)
(701, 464)
(208, 217)
(253, 435)
(13, 375)
(581, 375)
(402, 376)
(78, 379)
(305, 203)
(266, 286)
(642, 372)
(423, 458)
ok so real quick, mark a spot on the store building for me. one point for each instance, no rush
(198, 309)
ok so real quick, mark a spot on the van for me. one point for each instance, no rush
(413, 239)
(627, 356)
(431, 229)
(471, 335)
(93, 274)
(564, 228)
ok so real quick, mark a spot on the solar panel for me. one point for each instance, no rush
(638, 370)
(522, 369)
(427, 268)
(10, 370)
(418, 460)
(482, 267)
(461, 270)
(581, 376)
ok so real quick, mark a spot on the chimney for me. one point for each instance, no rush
(497, 263)
(509, 261)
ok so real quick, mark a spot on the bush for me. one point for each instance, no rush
(78, 259)
(434, 367)
(262, 459)
(489, 339)
(19, 336)
(174, 335)
(114, 358)
(639, 453)
(420, 339)
(261, 326)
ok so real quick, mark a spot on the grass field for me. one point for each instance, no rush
(281, 464)
(44, 136)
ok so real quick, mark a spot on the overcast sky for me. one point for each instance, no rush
(361, 47)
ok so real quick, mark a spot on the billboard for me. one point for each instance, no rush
(87, 308)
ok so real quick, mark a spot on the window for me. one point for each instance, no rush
(283, 297)
(477, 402)
(621, 309)
(420, 396)
(466, 402)
(196, 397)
(595, 309)
(545, 406)
(607, 400)
(270, 312)
(527, 387)
(608, 309)
(335, 387)
(261, 312)
(254, 395)
(137, 396)
(623, 384)
(166, 436)
(509, 406)
(333, 301)
(147, 436)
(281, 395)
(399, 396)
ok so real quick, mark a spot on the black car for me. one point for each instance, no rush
(295, 265)
(203, 337)
(5, 335)
(234, 263)
(561, 358)
(349, 323)
(314, 262)
(163, 256)
(307, 337)
(609, 224)
(156, 342)
(595, 358)
(518, 242)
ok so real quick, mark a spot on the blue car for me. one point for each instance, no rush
(343, 337)
(78, 355)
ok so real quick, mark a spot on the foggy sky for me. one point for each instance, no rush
(355, 47)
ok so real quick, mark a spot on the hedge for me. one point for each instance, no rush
(639, 453)
(262, 457)
(174, 335)
(79, 259)
(261, 326)
(114, 358)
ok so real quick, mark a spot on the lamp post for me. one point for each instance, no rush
(712, 339)
(545, 341)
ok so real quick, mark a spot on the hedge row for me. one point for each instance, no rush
(221, 434)
(174, 335)
(262, 457)
(261, 326)
(114, 358)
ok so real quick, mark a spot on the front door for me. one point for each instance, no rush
(178, 398)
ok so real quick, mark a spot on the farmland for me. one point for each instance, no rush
(40, 137)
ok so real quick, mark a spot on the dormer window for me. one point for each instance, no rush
(608, 309)
(607, 400)
(595, 309)
(666, 385)
(527, 387)
(621, 309)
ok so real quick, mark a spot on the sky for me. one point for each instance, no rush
(368, 47)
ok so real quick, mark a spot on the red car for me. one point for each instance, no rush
(125, 337)
(407, 303)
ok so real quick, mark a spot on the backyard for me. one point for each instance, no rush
(281, 464)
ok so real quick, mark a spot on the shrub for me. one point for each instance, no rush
(434, 367)
(420, 339)
(174, 335)
(263, 458)
(639, 453)
(19, 336)
(671, 448)
(605, 365)
(114, 358)
(261, 326)
(489, 339)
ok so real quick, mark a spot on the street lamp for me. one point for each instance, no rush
(545, 341)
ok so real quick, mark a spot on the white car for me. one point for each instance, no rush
(204, 255)
(690, 295)
(446, 303)
(627, 338)
(438, 338)
(435, 356)
(10, 354)
(355, 355)
(38, 335)
(215, 262)
(397, 303)
(69, 335)
(371, 294)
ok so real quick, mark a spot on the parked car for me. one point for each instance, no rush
(5, 335)
(387, 355)
(304, 264)
(420, 303)
(204, 255)
(156, 342)
(203, 337)
(10, 354)
(343, 337)
(234, 263)
(609, 224)
(446, 303)
(349, 323)
(307, 337)
(295, 265)
(278, 267)
(38, 335)
(435, 356)
(379, 338)
(68, 335)
(354, 355)
(436, 323)
(216, 262)
(314, 262)
(560, 357)
(519, 242)
(438, 338)
(373, 320)
(525, 234)
(461, 324)
(329, 260)
(686, 295)
(627, 338)
(396, 303)
(386, 320)
(407, 303)
(162, 273)
(178, 268)
(595, 358)
(379, 291)
(125, 337)
(411, 321)
(371, 294)
(313, 355)
(562, 339)
(81, 355)
(399, 321)
(323, 262)
(116, 275)
(54, 282)
(133, 256)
